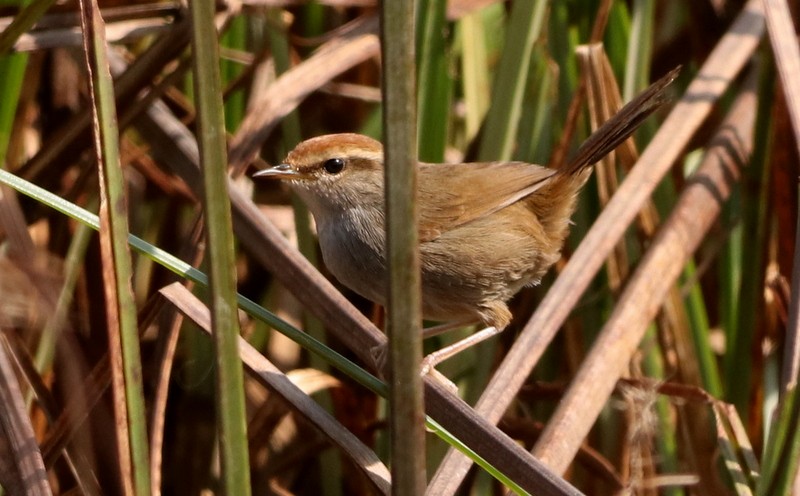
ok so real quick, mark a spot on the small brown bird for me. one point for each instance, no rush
(485, 229)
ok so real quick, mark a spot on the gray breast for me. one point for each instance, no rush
(354, 252)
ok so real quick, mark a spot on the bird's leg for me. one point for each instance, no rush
(432, 360)
(495, 313)
(379, 353)
(446, 327)
(440, 355)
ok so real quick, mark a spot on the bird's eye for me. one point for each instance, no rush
(333, 166)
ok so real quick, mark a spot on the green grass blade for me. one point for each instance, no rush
(782, 449)
(231, 418)
(637, 70)
(120, 303)
(23, 22)
(701, 332)
(330, 465)
(440, 431)
(754, 215)
(536, 130)
(45, 352)
(235, 38)
(434, 82)
(500, 131)
(12, 67)
(474, 72)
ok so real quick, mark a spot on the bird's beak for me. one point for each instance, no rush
(280, 171)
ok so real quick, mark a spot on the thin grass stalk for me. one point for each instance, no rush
(783, 38)
(743, 370)
(570, 87)
(791, 363)
(500, 130)
(330, 466)
(637, 68)
(292, 134)
(73, 265)
(117, 266)
(701, 333)
(158, 416)
(616, 36)
(314, 15)
(730, 450)
(169, 340)
(787, 54)
(231, 420)
(730, 278)
(782, 450)
(23, 22)
(235, 37)
(435, 83)
(23, 467)
(474, 72)
(18, 243)
(536, 124)
(404, 325)
(13, 69)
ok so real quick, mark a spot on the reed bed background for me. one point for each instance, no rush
(659, 357)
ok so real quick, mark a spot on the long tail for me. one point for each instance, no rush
(621, 125)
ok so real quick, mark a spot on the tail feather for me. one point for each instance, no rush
(620, 126)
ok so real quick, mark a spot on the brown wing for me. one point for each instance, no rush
(451, 195)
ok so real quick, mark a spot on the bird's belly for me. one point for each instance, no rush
(460, 270)
(467, 268)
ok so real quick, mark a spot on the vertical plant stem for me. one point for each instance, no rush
(791, 363)
(744, 369)
(474, 70)
(637, 70)
(787, 54)
(222, 281)
(123, 332)
(330, 464)
(13, 69)
(404, 318)
(434, 81)
(524, 26)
